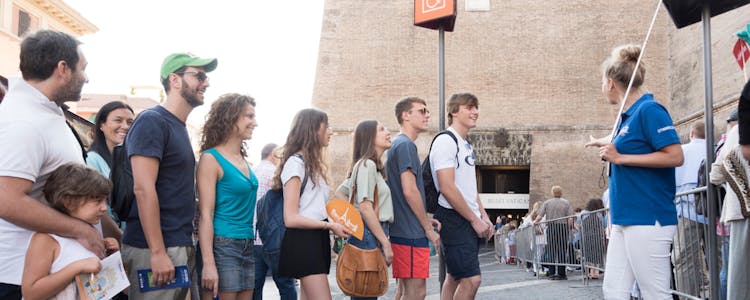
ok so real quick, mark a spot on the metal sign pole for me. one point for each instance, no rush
(441, 110)
(441, 76)
(711, 194)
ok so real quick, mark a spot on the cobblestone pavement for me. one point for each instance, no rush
(499, 281)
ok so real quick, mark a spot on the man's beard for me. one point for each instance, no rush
(69, 92)
(190, 94)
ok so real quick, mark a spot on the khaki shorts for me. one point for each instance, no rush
(135, 259)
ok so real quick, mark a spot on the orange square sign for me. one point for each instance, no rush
(430, 12)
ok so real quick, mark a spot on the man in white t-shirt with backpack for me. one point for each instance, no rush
(464, 221)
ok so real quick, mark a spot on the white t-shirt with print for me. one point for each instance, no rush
(443, 155)
(35, 141)
(312, 204)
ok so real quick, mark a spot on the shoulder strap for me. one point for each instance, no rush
(220, 159)
(353, 182)
(453, 136)
(304, 181)
(375, 202)
(353, 189)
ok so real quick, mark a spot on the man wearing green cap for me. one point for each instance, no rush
(159, 228)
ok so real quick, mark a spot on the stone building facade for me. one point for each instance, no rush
(18, 17)
(535, 67)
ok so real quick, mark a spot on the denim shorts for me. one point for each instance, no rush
(234, 262)
(368, 240)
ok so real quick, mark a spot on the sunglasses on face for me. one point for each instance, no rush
(201, 76)
(423, 110)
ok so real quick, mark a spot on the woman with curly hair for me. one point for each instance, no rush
(306, 248)
(227, 190)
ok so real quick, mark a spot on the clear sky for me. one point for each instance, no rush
(266, 49)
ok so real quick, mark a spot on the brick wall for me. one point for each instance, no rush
(534, 65)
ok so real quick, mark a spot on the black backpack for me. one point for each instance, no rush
(431, 194)
(122, 196)
(701, 200)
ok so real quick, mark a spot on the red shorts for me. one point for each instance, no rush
(409, 260)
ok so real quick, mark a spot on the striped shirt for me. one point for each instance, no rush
(264, 172)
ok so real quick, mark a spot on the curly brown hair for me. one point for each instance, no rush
(303, 138)
(221, 120)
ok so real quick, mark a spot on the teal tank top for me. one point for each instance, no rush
(235, 200)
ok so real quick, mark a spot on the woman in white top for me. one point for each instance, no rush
(306, 247)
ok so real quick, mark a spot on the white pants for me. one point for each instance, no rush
(638, 254)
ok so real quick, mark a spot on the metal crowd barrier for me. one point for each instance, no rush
(693, 249)
(505, 246)
(500, 246)
(555, 244)
(592, 227)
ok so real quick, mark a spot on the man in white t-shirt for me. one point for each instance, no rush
(464, 221)
(36, 140)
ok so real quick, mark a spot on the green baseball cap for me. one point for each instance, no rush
(175, 61)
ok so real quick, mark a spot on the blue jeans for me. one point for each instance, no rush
(284, 284)
(724, 266)
(367, 242)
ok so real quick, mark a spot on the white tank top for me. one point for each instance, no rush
(70, 251)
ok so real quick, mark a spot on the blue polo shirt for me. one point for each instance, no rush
(638, 195)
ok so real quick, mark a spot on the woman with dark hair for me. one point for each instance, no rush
(592, 231)
(372, 195)
(110, 127)
(227, 189)
(306, 247)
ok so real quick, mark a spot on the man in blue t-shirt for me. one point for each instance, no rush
(412, 228)
(159, 228)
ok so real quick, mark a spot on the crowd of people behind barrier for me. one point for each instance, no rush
(584, 246)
